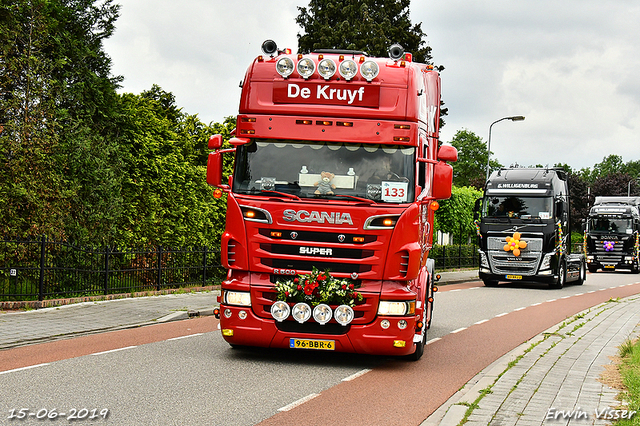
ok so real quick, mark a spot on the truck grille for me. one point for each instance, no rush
(304, 250)
(613, 256)
(505, 263)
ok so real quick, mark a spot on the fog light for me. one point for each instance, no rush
(227, 332)
(402, 324)
(385, 324)
(242, 315)
(322, 314)
(227, 313)
(399, 343)
(301, 312)
(280, 311)
(344, 314)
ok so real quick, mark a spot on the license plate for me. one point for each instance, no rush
(514, 277)
(326, 345)
(610, 266)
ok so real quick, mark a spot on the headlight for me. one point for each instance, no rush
(326, 68)
(239, 298)
(397, 307)
(301, 312)
(546, 261)
(280, 311)
(285, 67)
(348, 69)
(484, 263)
(344, 314)
(369, 70)
(322, 313)
(306, 67)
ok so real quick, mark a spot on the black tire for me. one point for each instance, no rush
(583, 274)
(490, 283)
(419, 346)
(562, 276)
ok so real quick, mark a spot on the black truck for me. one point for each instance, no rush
(523, 228)
(611, 234)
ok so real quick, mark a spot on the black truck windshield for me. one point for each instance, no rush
(382, 173)
(610, 224)
(517, 207)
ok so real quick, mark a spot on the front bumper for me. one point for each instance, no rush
(362, 338)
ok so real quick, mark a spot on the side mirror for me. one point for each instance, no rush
(442, 180)
(214, 169)
(476, 209)
(215, 142)
(447, 152)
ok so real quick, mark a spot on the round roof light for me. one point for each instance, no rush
(369, 70)
(306, 67)
(285, 66)
(348, 69)
(326, 68)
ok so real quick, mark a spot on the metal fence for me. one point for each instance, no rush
(454, 256)
(42, 269)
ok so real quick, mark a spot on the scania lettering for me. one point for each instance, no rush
(524, 230)
(320, 217)
(336, 176)
(612, 234)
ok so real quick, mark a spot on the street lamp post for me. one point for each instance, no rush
(512, 118)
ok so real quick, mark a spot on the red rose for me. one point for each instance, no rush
(355, 294)
(344, 286)
(306, 282)
(351, 286)
(308, 290)
(286, 293)
(296, 280)
(299, 287)
(321, 277)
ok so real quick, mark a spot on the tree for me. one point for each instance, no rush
(368, 25)
(471, 167)
(455, 215)
(57, 100)
(166, 200)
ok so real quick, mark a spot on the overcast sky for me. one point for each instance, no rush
(571, 67)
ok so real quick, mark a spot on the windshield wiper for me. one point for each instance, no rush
(364, 200)
(282, 194)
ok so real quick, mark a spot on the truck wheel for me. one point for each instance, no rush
(419, 346)
(593, 269)
(562, 276)
(490, 283)
(583, 274)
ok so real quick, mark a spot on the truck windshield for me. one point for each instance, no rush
(610, 224)
(306, 169)
(518, 207)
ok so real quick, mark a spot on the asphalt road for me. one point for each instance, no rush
(183, 373)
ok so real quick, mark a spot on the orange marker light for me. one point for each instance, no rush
(217, 193)
(434, 206)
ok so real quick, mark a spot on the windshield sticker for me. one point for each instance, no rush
(394, 192)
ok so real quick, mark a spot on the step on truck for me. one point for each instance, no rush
(611, 234)
(331, 202)
(523, 229)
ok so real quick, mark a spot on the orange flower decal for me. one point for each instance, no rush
(514, 244)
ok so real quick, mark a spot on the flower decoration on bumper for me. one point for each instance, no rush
(318, 287)
(608, 245)
(515, 244)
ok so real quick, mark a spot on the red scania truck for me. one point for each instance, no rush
(331, 202)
